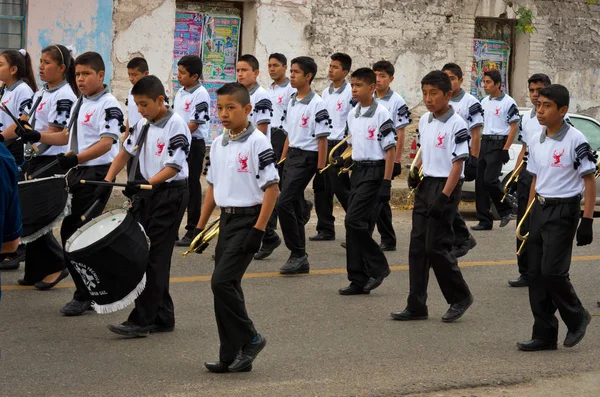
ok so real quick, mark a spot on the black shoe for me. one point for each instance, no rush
(219, 367)
(385, 247)
(520, 282)
(186, 240)
(248, 354)
(162, 328)
(131, 330)
(407, 315)
(479, 226)
(353, 290)
(296, 265)
(22, 281)
(505, 219)
(535, 345)
(13, 261)
(574, 337)
(76, 308)
(464, 248)
(307, 211)
(267, 249)
(375, 282)
(343, 244)
(456, 310)
(41, 285)
(322, 237)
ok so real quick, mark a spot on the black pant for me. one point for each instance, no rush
(45, 255)
(364, 257)
(299, 169)
(487, 185)
(430, 246)
(461, 231)
(523, 186)
(160, 213)
(278, 137)
(83, 196)
(551, 232)
(325, 185)
(235, 327)
(385, 226)
(195, 162)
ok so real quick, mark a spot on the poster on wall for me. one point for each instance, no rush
(215, 125)
(220, 47)
(488, 55)
(188, 36)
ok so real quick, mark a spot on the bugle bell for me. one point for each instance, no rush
(345, 156)
(514, 177)
(204, 237)
(520, 236)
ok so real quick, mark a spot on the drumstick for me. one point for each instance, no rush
(19, 125)
(90, 210)
(47, 167)
(114, 184)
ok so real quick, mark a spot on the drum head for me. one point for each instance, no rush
(95, 230)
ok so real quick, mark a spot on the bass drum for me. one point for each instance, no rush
(110, 253)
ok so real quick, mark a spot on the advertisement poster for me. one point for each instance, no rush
(487, 55)
(215, 126)
(188, 36)
(220, 47)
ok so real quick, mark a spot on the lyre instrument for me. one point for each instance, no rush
(345, 156)
(203, 238)
(520, 236)
(413, 169)
(514, 177)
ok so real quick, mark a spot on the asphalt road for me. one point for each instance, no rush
(319, 343)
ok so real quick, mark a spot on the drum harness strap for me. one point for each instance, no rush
(139, 144)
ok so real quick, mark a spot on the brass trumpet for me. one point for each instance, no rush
(211, 231)
(412, 170)
(514, 177)
(521, 237)
(345, 156)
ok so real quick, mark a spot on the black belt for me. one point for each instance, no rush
(333, 142)
(296, 150)
(545, 201)
(255, 210)
(494, 137)
(369, 163)
(173, 184)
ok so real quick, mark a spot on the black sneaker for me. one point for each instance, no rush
(76, 308)
(13, 261)
(247, 355)
(464, 248)
(131, 330)
(186, 240)
(296, 265)
(267, 249)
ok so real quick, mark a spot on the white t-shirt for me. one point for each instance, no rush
(397, 107)
(339, 103)
(18, 99)
(306, 120)
(100, 116)
(498, 114)
(443, 141)
(241, 170)
(133, 116)
(372, 131)
(54, 110)
(280, 95)
(167, 144)
(560, 162)
(469, 108)
(193, 106)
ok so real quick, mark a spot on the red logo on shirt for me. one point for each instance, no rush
(42, 104)
(339, 106)
(371, 132)
(280, 99)
(87, 117)
(497, 112)
(557, 157)
(440, 139)
(243, 160)
(186, 107)
(160, 146)
(304, 122)
(7, 101)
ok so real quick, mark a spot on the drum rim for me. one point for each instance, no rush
(106, 239)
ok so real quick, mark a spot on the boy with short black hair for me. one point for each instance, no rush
(395, 104)
(501, 122)
(246, 193)
(159, 145)
(307, 125)
(563, 165)
(443, 136)
(373, 141)
(262, 108)
(93, 143)
(469, 108)
(192, 104)
(136, 69)
(339, 102)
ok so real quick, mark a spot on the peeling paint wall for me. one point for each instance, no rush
(86, 24)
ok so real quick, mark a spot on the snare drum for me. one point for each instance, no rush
(44, 203)
(110, 253)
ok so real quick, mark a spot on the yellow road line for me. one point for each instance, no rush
(313, 272)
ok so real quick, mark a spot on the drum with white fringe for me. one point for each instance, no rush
(110, 253)
(44, 203)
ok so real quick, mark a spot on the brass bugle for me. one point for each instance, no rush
(514, 177)
(413, 169)
(211, 231)
(344, 156)
(343, 170)
(281, 161)
(520, 236)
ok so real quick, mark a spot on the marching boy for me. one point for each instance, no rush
(161, 158)
(243, 182)
(373, 141)
(443, 136)
(562, 164)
